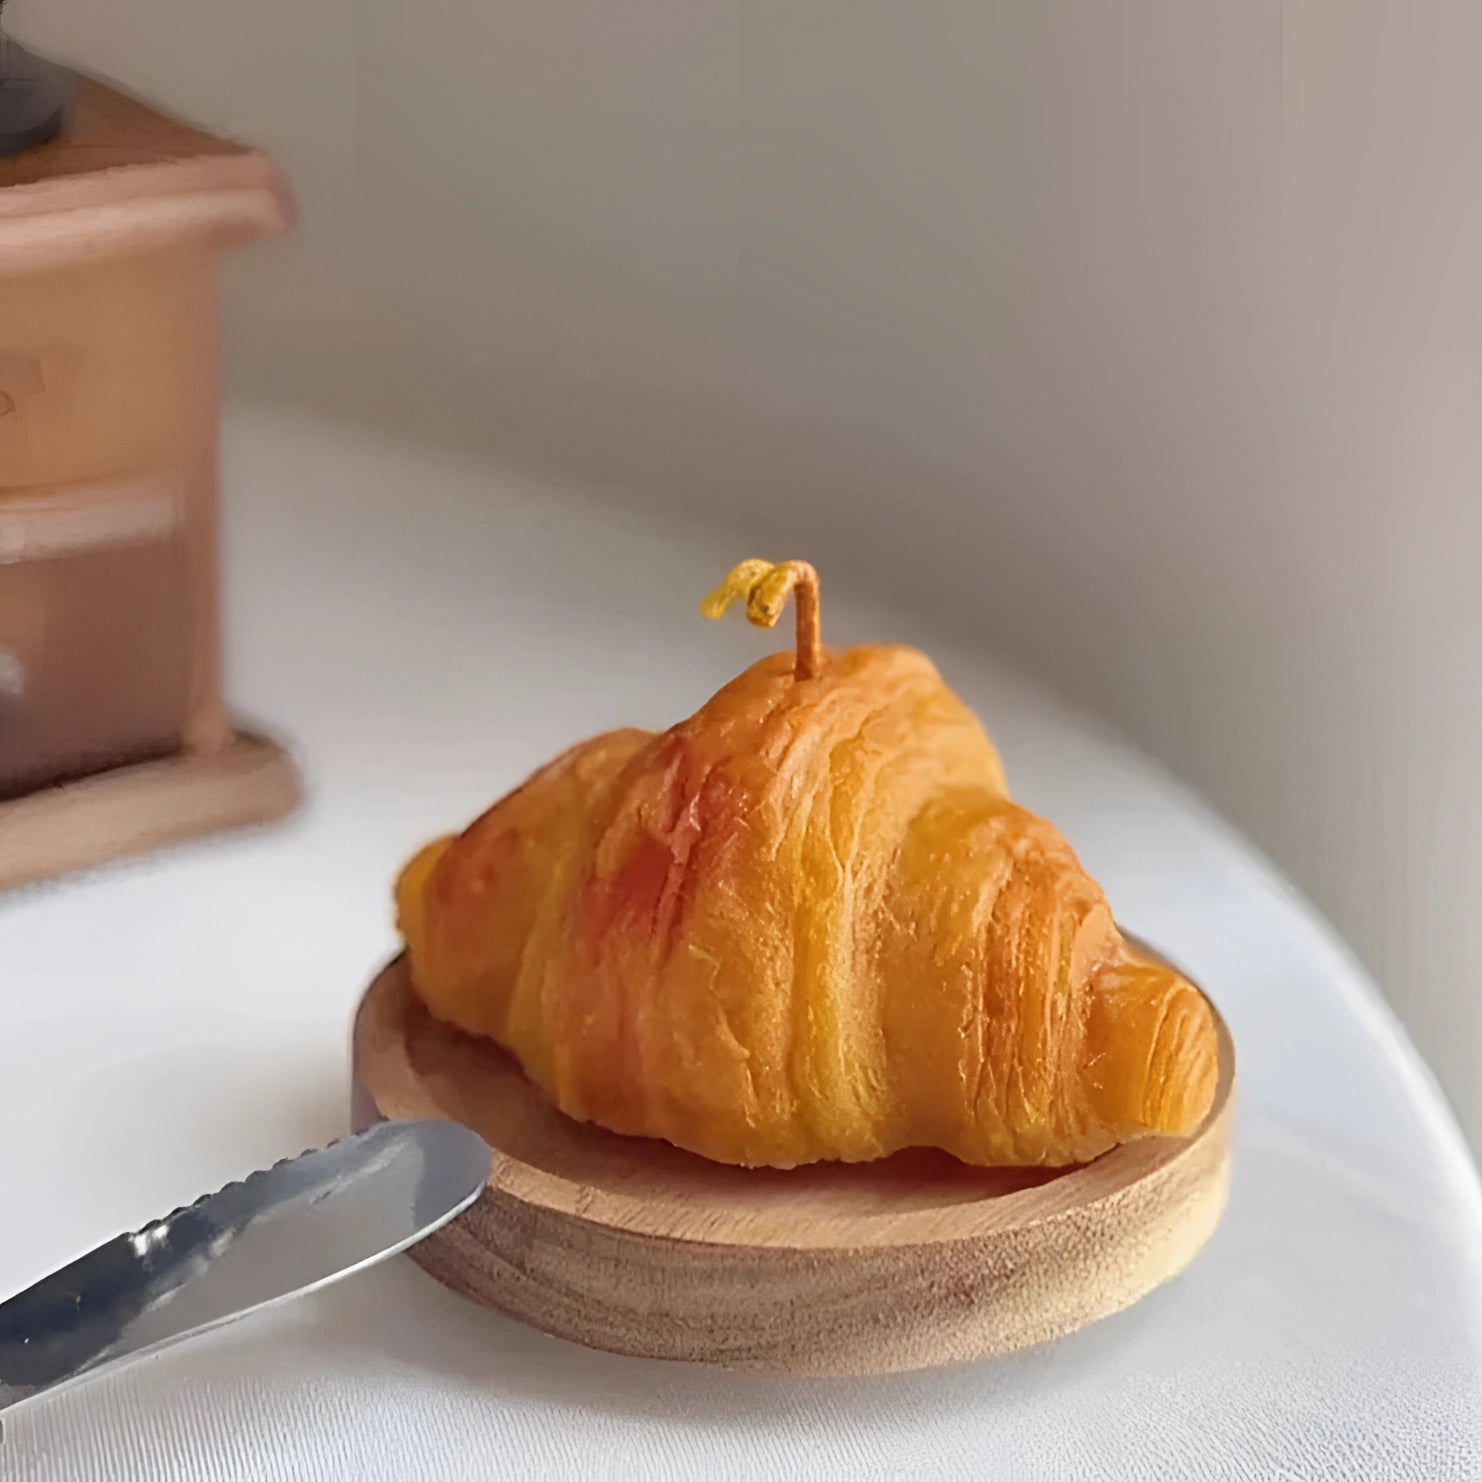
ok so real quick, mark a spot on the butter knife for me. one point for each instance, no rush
(277, 1234)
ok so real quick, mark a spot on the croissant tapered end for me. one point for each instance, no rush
(808, 922)
(1159, 1032)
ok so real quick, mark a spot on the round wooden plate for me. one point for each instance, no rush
(640, 1248)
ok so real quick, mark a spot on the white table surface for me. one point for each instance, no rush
(426, 630)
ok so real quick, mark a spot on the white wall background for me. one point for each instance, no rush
(1142, 339)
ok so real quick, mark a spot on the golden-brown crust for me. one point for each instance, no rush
(807, 922)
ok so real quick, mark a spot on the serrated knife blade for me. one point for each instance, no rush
(277, 1234)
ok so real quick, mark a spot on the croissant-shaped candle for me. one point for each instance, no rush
(806, 923)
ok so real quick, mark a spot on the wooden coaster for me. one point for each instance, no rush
(640, 1248)
(130, 809)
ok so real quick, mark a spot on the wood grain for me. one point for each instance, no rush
(640, 1248)
(130, 809)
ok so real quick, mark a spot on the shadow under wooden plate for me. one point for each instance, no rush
(640, 1248)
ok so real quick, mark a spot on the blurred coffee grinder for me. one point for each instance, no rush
(115, 733)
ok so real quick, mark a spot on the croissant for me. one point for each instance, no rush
(806, 923)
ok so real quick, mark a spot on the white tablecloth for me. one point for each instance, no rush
(426, 631)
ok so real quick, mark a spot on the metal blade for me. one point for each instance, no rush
(278, 1233)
